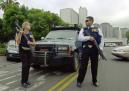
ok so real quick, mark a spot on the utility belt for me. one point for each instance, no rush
(88, 46)
(24, 48)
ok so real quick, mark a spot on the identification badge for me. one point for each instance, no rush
(94, 30)
(90, 46)
(83, 46)
(31, 36)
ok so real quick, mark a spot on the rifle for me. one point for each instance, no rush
(99, 50)
(31, 48)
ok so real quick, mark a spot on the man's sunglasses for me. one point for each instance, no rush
(87, 20)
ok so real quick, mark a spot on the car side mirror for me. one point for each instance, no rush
(42, 38)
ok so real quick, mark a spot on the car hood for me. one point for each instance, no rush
(122, 47)
(57, 42)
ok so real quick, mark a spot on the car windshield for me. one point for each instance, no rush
(61, 34)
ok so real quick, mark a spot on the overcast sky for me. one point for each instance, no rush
(115, 12)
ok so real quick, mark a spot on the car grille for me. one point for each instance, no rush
(44, 47)
(40, 50)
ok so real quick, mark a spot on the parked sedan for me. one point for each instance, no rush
(12, 51)
(121, 52)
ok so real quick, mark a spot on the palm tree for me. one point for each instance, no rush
(2, 4)
(5, 3)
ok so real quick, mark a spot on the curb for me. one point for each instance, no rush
(2, 54)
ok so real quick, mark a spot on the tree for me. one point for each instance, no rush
(8, 21)
(5, 3)
(1, 22)
(41, 21)
(24, 10)
(1, 25)
(127, 36)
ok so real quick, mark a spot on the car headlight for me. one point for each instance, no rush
(125, 50)
(13, 51)
(63, 48)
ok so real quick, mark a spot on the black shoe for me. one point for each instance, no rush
(96, 84)
(28, 83)
(25, 85)
(79, 84)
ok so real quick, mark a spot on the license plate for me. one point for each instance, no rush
(43, 49)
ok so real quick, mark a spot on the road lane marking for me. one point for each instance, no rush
(3, 72)
(3, 88)
(9, 77)
(40, 81)
(68, 80)
(9, 73)
(61, 82)
(19, 70)
(17, 80)
(36, 85)
(42, 77)
(11, 82)
(31, 88)
(36, 73)
(67, 83)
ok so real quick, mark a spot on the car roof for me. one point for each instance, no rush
(11, 42)
(65, 28)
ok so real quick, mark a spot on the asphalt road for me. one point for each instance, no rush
(113, 75)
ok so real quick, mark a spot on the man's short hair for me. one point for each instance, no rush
(90, 18)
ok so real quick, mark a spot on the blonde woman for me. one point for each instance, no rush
(25, 39)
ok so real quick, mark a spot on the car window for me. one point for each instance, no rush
(61, 34)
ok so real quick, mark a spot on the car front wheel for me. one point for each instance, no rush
(7, 57)
(75, 63)
(35, 66)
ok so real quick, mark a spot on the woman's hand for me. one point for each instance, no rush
(21, 32)
(92, 39)
(31, 43)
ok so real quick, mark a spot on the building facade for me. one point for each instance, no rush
(106, 29)
(82, 15)
(69, 16)
(123, 32)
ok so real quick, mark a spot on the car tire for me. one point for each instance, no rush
(75, 63)
(35, 66)
(7, 57)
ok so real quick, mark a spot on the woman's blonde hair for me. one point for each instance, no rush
(26, 23)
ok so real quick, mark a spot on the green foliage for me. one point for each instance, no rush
(41, 21)
(8, 21)
(1, 28)
(2, 45)
(1, 22)
(2, 48)
(2, 51)
(5, 3)
(127, 36)
(38, 22)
